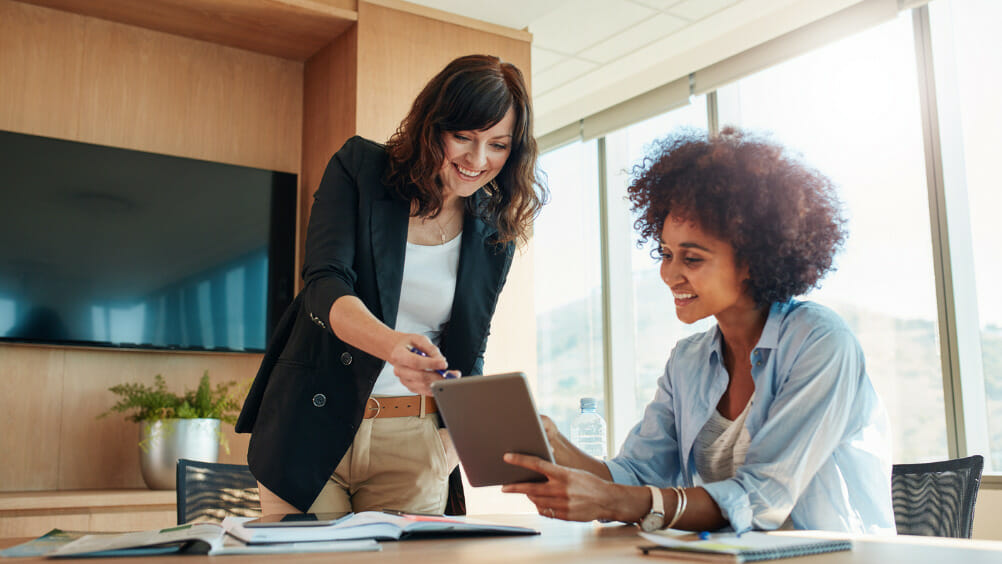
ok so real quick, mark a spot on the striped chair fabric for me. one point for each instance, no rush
(208, 491)
(936, 498)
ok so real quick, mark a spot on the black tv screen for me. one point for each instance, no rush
(101, 246)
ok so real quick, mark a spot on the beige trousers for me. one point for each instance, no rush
(400, 463)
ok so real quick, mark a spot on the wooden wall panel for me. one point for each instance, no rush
(31, 407)
(86, 79)
(80, 78)
(52, 438)
(41, 79)
(103, 453)
(329, 84)
(398, 52)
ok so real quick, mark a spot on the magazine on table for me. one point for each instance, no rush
(44, 544)
(193, 538)
(378, 525)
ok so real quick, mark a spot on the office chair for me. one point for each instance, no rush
(936, 498)
(207, 491)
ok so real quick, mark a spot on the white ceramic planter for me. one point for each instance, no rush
(163, 442)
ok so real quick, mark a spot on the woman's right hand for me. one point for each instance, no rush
(575, 495)
(416, 372)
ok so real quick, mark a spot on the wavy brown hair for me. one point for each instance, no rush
(471, 93)
(782, 217)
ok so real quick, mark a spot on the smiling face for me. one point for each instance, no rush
(474, 158)
(702, 273)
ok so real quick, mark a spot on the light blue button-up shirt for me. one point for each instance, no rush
(820, 438)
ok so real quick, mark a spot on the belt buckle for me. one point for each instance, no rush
(378, 407)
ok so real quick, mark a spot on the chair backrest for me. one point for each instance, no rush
(207, 491)
(936, 499)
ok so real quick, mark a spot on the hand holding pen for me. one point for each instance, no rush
(417, 362)
(443, 373)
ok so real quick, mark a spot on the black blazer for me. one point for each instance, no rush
(309, 394)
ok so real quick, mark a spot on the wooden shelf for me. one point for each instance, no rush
(30, 514)
(85, 499)
(290, 29)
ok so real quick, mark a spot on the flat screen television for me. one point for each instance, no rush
(109, 247)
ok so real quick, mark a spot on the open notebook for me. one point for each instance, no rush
(379, 525)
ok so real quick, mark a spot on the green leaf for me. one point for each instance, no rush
(142, 402)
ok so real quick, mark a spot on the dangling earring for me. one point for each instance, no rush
(491, 187)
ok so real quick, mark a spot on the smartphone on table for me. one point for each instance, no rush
(297, 519)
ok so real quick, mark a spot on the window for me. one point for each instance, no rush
(911, 152)
(647, 329)
(968, 55)
(568, 288)
(852, 110)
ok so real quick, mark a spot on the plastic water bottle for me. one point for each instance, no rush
(588, 429)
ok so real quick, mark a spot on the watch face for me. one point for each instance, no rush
(653, 521)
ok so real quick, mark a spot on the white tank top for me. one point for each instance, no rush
(429, 283)
(721, 446)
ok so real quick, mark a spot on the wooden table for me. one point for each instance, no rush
(562, 542)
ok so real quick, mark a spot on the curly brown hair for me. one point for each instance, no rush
(782, 217)
(471, 93)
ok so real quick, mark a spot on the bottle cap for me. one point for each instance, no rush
(588, 404)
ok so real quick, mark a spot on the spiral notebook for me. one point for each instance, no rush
(729, 547)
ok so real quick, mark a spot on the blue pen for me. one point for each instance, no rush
(443, 373)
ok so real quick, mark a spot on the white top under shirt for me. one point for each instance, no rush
(721, 446)
(429, 284)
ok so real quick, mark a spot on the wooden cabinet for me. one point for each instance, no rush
(29, 514)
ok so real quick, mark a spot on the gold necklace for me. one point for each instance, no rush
(439, 223)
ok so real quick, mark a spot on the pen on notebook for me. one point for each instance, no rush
(443, 373)
(707, 535)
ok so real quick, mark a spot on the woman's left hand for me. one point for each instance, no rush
(574, 495)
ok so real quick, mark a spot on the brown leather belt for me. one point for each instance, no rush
(399, 406)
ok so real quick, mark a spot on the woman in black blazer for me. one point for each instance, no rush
(407, 249)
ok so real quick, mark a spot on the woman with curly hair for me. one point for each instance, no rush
(768, 420)
(408, 247)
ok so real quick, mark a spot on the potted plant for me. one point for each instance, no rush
(173, 426)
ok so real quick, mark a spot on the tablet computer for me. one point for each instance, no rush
(488, 416)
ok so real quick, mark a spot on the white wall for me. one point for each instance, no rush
(987, 524)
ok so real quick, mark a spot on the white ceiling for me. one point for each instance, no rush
(588, 55)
